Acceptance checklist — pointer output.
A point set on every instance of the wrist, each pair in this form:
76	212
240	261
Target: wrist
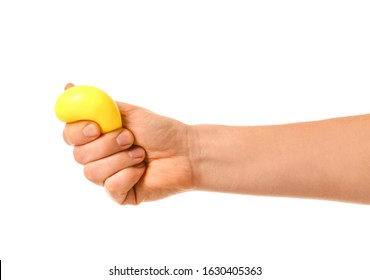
213	157
193	147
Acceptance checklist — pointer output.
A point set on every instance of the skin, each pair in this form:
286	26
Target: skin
153	157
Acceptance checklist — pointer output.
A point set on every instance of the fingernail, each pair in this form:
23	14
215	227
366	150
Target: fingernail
124	138
136	152
90	130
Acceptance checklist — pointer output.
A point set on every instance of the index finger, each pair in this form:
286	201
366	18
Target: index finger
81	132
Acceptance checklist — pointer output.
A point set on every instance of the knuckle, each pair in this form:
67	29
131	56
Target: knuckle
79	155
66	137
91	174
114	189
111	187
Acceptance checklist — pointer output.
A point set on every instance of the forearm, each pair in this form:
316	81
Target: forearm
327	159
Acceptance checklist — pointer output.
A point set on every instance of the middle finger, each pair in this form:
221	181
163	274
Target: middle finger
106	145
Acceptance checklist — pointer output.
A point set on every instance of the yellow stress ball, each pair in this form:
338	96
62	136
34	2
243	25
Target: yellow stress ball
88	103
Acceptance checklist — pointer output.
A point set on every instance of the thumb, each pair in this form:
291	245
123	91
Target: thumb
69	85
133	116
126	108
130	112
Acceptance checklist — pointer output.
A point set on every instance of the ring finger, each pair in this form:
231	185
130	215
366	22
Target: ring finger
98	171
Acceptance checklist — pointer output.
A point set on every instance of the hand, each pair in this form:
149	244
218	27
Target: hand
146	160
153	157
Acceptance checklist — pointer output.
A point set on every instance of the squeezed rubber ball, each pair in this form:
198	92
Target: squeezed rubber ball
88	103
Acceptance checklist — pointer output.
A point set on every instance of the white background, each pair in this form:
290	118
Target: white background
226	62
